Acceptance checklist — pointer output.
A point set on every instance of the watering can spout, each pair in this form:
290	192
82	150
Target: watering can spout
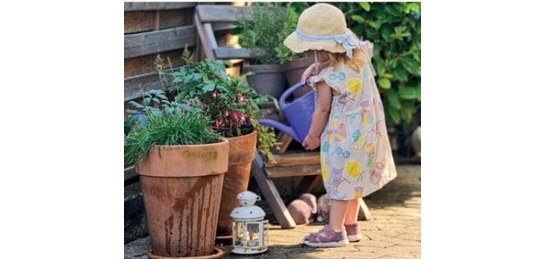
282	127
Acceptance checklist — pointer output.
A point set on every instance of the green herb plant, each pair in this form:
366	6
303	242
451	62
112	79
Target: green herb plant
165	123
264	31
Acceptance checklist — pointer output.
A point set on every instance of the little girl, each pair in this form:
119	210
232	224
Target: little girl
348	122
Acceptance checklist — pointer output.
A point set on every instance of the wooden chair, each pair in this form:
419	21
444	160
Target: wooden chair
305	164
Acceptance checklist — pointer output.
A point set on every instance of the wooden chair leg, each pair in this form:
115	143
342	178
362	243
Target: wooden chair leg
270	192
364	213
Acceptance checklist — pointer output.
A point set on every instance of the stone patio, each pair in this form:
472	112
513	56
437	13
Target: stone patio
393	232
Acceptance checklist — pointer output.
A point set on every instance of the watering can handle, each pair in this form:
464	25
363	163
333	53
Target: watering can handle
287	93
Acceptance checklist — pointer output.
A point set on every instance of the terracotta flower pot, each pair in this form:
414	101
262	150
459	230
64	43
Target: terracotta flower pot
267	79
182	187
241	154
294	70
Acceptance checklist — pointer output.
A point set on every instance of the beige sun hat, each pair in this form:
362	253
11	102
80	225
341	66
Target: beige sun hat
322	27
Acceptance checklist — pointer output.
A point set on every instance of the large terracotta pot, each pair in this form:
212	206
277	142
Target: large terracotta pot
267	79
294	70
182	187
241	154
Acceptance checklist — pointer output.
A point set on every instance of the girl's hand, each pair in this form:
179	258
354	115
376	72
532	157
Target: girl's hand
310	71
311	142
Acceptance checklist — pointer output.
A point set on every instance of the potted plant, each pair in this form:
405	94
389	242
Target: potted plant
181	163
263	31
231	106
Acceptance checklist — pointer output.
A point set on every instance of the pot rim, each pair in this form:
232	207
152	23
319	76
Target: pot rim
223	140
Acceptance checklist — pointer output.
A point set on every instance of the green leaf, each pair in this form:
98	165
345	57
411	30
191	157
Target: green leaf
357	18
400	74
415	7
407	113
379	65
365	6
374	24
208	87
393	114
388	76
408	93
411	65
393	99
384	83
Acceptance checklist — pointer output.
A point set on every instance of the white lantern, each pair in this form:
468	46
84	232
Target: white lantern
248	225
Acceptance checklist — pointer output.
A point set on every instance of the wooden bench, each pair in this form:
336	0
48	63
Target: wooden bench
305	164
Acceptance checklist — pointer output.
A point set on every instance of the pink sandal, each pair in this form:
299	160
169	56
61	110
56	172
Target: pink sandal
353	232
327	237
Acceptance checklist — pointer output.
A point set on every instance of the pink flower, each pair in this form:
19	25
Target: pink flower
218	123
235	115
243	118
188	103
240	97
226	113
214	95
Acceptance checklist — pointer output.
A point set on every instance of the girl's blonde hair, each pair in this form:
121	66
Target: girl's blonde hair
356	62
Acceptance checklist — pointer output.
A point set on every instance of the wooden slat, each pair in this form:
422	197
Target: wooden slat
209	34
292	171
223	26
134	85
143	6
271	194
205	41
231	53
175	18
146	64
363	211
296	159
158	41
215	13
139	21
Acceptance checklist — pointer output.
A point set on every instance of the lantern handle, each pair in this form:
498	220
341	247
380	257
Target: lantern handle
258	198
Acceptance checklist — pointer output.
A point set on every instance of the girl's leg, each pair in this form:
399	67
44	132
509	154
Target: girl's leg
337	214
352	212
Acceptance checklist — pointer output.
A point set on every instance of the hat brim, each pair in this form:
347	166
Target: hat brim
298	45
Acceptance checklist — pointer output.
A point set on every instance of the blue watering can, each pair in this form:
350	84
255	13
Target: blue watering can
298	113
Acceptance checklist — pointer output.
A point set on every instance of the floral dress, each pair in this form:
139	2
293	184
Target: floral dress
355	154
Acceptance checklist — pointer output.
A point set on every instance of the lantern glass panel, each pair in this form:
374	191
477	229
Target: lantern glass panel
254	234
238	233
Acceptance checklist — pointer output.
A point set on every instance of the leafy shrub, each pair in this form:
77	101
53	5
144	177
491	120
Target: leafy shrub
264	32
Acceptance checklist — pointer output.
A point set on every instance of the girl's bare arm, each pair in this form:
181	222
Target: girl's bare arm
320	117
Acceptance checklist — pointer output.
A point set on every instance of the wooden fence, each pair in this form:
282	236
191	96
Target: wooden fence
164	29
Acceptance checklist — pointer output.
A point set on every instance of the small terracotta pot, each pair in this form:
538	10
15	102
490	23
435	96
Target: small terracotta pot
241	154
267	79
182	187
294	70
